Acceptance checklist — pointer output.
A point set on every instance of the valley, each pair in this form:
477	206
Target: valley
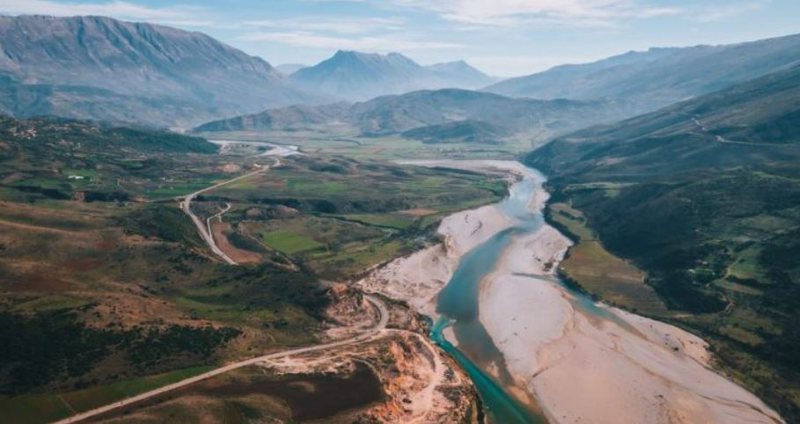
191	234
119	265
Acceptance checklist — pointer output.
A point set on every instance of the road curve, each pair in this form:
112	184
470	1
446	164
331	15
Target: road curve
367	335
216	215
205	228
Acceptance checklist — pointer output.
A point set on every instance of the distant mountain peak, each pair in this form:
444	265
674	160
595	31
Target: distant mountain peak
354	75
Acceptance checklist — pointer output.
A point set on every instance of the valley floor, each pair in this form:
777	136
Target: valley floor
581	361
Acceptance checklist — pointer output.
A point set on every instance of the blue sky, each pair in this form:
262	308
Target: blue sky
501	37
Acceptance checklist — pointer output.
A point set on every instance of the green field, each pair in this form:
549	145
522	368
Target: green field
290	242
596	270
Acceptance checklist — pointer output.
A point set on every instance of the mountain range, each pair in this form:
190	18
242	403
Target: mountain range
355	76
753	122
104	69
649	80
489	115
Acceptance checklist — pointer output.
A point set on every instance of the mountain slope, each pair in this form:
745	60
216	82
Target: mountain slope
62	66
286	118
289	68
461	74
467	131
393	114
400	113
704	196
741	125
660	76
357	76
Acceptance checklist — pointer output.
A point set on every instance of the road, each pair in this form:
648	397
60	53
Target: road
216	215
723	140
205	228
366	336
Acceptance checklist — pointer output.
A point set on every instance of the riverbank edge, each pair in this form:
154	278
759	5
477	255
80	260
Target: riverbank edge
700	352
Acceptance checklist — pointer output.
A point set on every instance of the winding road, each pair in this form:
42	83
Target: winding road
378	331
368	335
205	228
205	232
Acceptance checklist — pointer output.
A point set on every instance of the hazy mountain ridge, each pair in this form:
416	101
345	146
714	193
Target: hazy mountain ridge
717	128
467	131
199	76
399	113
660	76
289	68
355	76
462	73
295	117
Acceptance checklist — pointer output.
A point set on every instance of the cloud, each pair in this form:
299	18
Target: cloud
174	15
331	25
728	11
520	12
363	43
516	65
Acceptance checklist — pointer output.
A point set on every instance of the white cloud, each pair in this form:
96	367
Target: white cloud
117	9
519	12
333	25
363	43
517	65
728	11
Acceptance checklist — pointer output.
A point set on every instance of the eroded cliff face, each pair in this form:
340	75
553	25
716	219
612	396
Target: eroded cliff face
420	383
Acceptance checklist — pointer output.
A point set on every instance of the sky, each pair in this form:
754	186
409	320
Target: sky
500	37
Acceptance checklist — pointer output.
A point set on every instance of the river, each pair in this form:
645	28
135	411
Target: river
458	306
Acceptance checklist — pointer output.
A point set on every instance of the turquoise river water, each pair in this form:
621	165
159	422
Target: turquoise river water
458	306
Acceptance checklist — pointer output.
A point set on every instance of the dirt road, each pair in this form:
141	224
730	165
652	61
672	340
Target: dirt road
370	334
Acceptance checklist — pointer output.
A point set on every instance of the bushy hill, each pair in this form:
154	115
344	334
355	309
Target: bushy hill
705	196
751	123
467	131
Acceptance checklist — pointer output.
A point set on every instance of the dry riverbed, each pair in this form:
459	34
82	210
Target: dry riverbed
582	362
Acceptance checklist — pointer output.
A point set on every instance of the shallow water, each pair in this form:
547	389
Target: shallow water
458	306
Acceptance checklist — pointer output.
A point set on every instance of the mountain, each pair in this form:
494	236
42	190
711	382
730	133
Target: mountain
105	69
295	117
467	131
461	74
355	76
753	122
660	76
395	114
497	116
290	68
703	195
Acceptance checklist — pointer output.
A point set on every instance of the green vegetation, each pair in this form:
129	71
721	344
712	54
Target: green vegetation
338	216
101	287
107	282
594	269
290	242
714	221
44	408
56	346
165	222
